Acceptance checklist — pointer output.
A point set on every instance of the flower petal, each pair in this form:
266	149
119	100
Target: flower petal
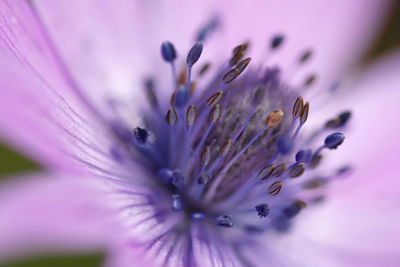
109	40
41	214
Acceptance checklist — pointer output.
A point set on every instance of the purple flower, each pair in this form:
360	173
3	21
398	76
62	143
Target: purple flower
197	134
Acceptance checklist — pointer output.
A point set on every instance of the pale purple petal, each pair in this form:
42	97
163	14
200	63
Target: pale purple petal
54	213
113	46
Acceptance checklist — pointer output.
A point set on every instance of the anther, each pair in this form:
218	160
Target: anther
339	121
277	41
176	202
315	161
215	113
181	96
296	171
191	115
150	93
266	172
237	53
214	99
168	51
263	210
274	118
285	145
312	184
194	54
207	29
294	209
204	68
204	178
165	175
275	188
235	72
140	135
258	95
178	179
206	156
279	170
182	77
305	56
224	220
310	80
225	148
297	107
303	156
304	113
334	140
171	117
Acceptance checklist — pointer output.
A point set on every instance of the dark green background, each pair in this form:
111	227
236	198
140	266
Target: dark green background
13	163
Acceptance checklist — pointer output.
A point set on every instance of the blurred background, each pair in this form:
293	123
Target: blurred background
12	163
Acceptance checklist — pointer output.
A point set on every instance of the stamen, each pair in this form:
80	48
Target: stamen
176	203
294	209
266	172
305	56
275	188
304	113
191	115
279	170
274	118
204	69
296	171
215	98
215	113
168	51
334	140
277	41
150	93
303	156
263	210
181	96
194	54
235	72
225	149
237	53
297	107
171	117
206	156
225	221
140	135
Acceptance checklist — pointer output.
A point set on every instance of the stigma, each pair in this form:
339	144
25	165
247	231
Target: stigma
227	144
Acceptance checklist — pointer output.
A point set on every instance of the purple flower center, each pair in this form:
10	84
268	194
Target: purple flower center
230	152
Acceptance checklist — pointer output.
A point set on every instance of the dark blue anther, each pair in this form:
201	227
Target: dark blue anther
285	145
276	41
165	175
344	118
194	54
181	96
176	203
207	29
303	156
168	51
263	210
291	211
334	140
178	178
140	135
225	221
344	170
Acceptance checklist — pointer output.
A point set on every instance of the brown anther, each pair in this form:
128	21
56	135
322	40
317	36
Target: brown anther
192	87
237	53
225	148
305	56
171	117
296	171
206	156
274	118
279	170
182	77
333	123
304	113
315	161
204	69
310	80
215	98
235	72
275	188
191	115
172	100
300	204
297	107
312	184
266	172
215	113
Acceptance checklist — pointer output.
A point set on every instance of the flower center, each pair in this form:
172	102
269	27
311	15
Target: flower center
229	151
